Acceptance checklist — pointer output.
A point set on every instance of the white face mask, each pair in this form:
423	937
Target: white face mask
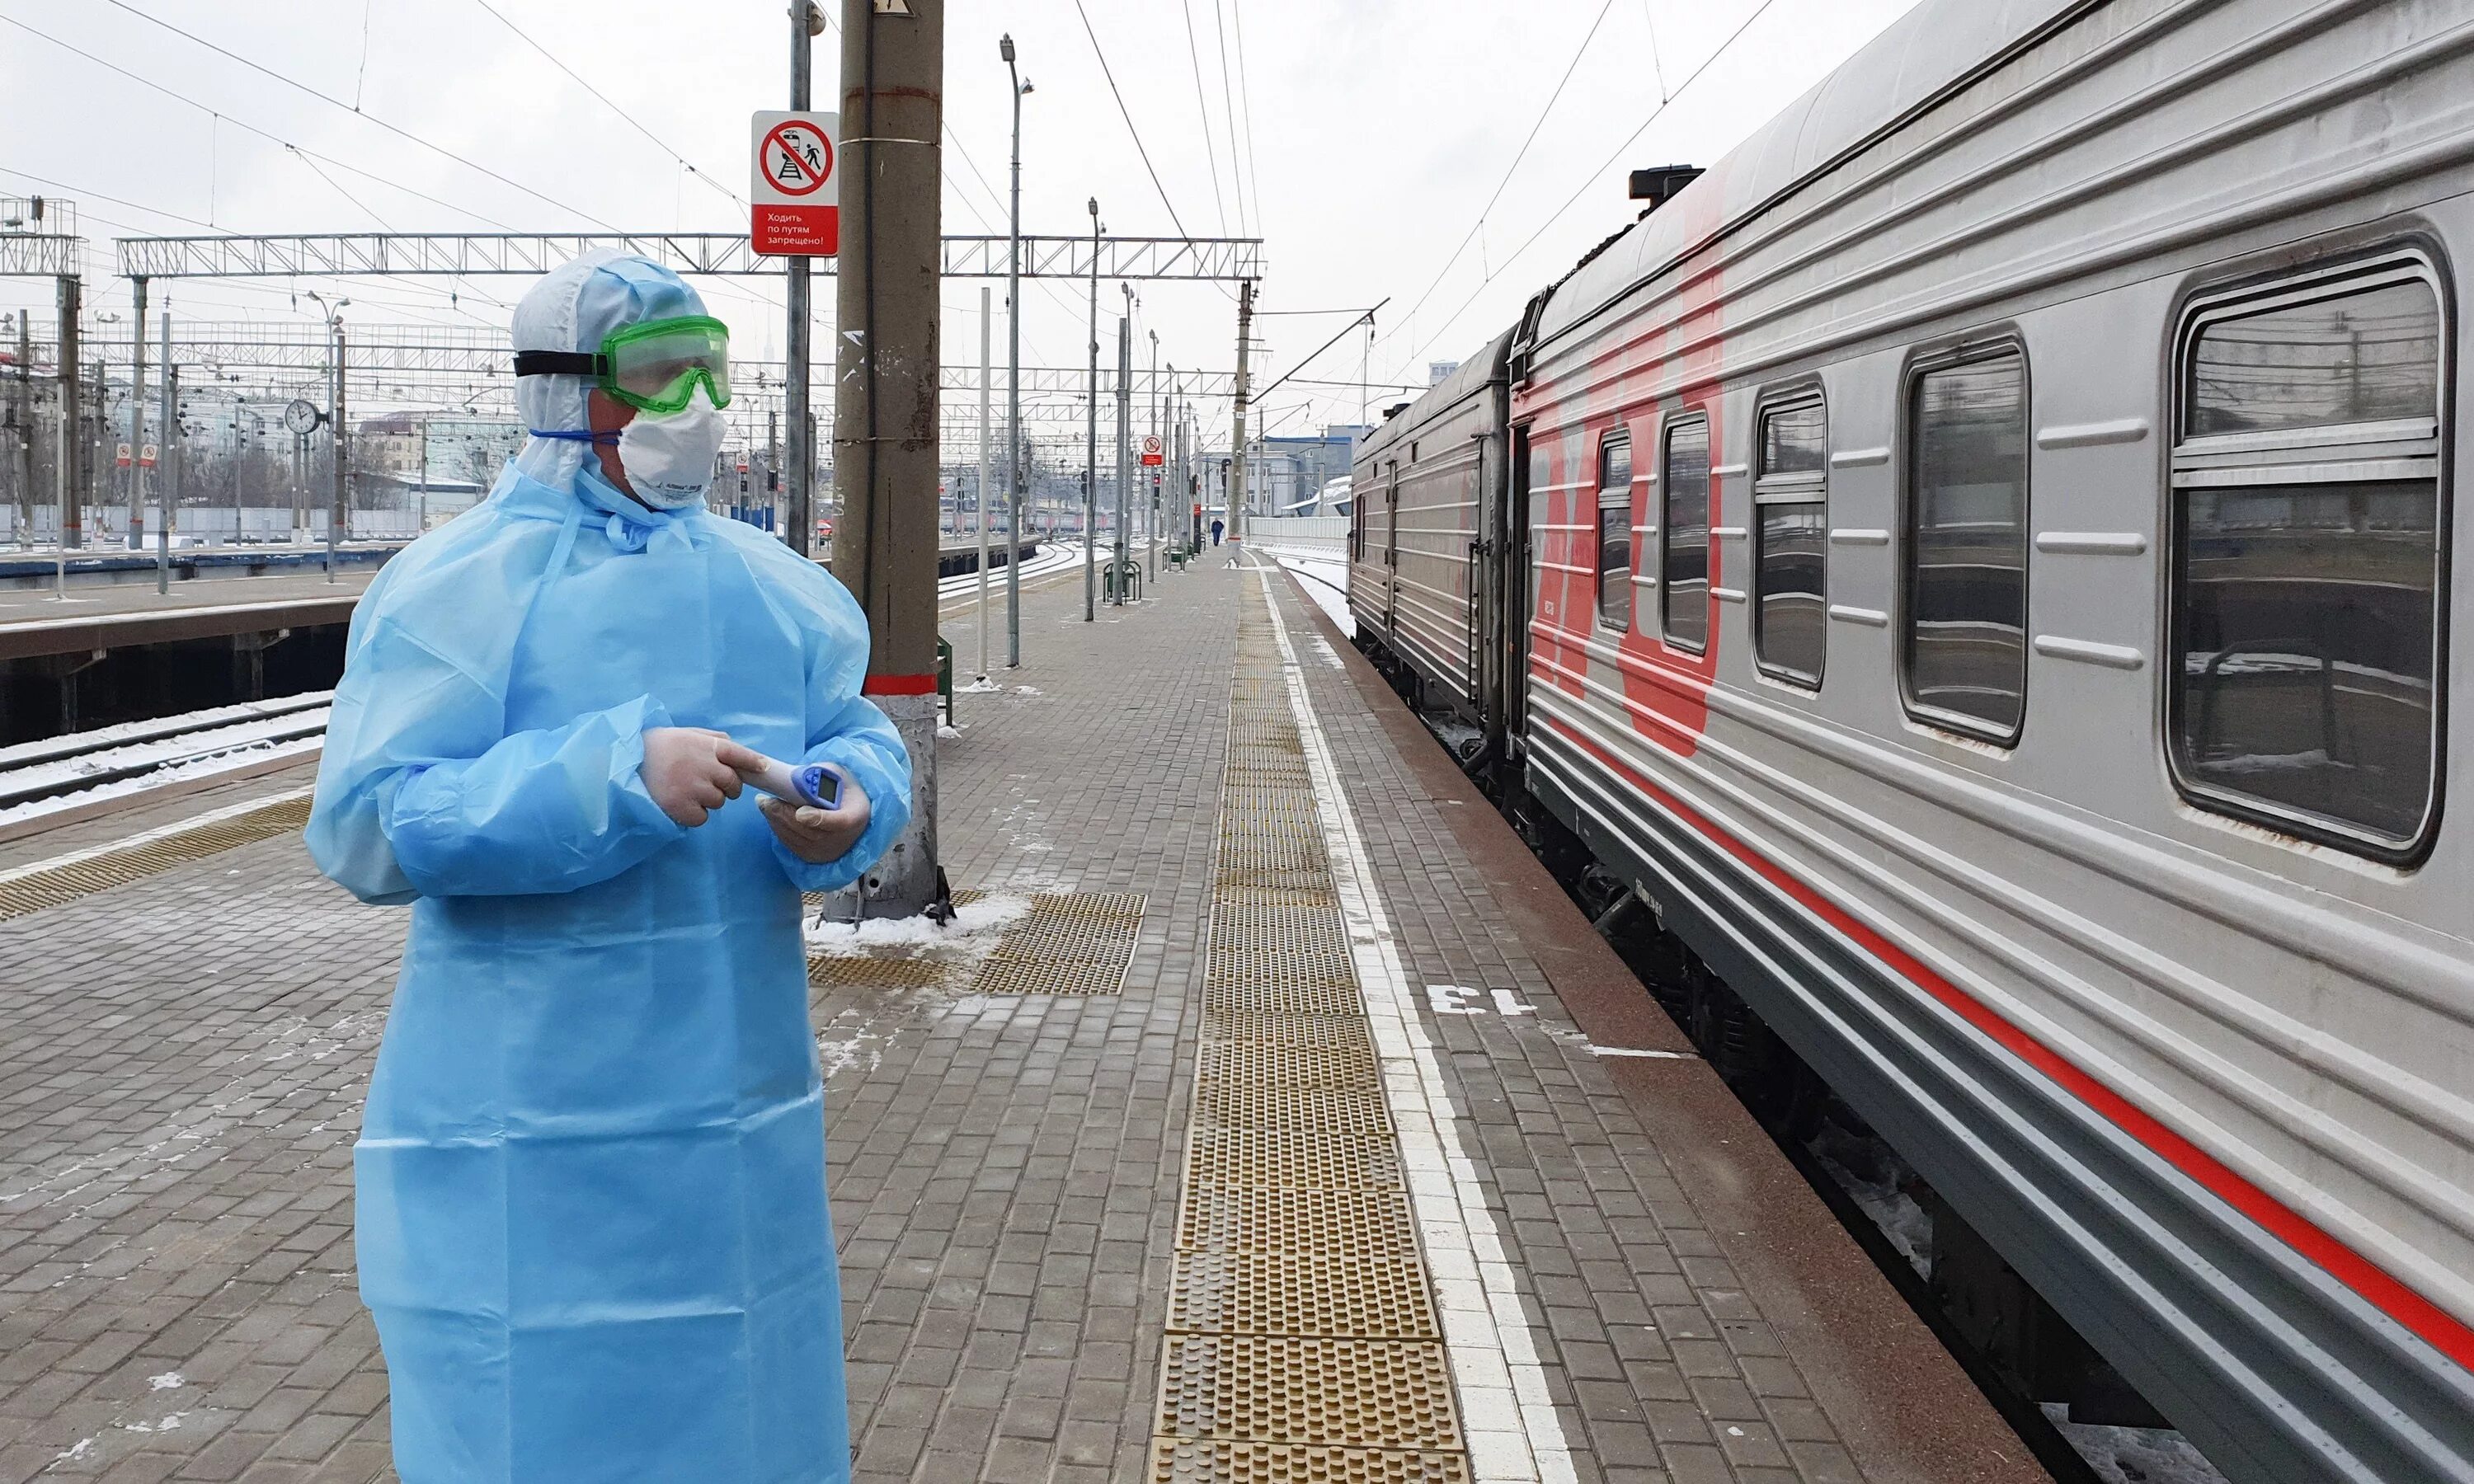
668	456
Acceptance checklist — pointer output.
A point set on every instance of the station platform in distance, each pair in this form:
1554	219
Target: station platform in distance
1267	1114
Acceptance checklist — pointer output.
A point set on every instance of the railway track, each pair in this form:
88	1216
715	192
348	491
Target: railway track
58	779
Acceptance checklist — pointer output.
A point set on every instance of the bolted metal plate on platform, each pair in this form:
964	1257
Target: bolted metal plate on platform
1282	1293
1362	1223
1263	1105
1362	1393
1345	1029
1071	944
1178	1462
1293	1161
52	884
1291	999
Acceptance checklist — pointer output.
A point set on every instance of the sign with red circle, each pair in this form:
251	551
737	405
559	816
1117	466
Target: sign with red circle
795	183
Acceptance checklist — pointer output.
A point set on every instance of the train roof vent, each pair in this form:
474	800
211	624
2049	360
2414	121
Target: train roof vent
1659	183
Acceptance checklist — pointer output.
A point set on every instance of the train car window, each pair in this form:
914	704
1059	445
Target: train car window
1684	568
1614	532
1791	541
2307	563
1964	636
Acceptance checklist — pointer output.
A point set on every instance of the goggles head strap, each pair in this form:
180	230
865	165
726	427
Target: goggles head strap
561	363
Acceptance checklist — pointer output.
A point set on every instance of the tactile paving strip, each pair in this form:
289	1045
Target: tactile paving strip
1227	1219
1072	944
1279	1293
53	883
1388	1393
1177	1462
1302	1335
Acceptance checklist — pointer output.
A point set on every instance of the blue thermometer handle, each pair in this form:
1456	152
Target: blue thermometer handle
819	786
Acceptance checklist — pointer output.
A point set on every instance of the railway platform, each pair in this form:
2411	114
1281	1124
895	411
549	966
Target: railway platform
1269	1114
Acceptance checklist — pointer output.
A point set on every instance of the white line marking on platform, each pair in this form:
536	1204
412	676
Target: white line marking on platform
1507	1416
149	837
1664	1056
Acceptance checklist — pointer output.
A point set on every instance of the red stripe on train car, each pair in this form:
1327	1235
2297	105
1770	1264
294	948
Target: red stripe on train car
2384	1291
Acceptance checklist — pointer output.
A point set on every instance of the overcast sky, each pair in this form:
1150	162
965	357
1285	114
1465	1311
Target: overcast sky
1363	139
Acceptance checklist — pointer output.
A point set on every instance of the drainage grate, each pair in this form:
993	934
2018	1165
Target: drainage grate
1276	1293
1274	1463
1366	1393
860	971
1303	1339
1078	944
1368	1223
56	882
1293	1161
1266	1105
1280	1060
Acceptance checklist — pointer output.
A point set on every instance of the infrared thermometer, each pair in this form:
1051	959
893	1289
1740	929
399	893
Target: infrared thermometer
812	785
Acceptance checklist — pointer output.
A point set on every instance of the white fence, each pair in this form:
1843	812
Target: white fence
1320	535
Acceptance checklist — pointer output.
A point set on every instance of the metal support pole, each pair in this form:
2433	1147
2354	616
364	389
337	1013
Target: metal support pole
1125	393
164	417
167	467
72	454
1236	492
980	495
1013	372
1091	443
1153	474
340	516
805	21
137	418
886	385
25	431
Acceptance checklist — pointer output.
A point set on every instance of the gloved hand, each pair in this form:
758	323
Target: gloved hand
693	770
819	836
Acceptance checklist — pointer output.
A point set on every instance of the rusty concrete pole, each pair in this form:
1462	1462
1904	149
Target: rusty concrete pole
1236	496
885	396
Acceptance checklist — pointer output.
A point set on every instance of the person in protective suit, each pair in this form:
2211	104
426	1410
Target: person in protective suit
591	1177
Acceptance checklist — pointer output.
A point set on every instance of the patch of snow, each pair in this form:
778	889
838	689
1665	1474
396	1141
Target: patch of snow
1877	1180
1026	690
982	687
987	917
2134	1455
949	731
84	1445
195	768
169	1380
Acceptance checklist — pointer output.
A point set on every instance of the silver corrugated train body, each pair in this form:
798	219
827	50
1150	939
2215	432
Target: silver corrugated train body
1980	561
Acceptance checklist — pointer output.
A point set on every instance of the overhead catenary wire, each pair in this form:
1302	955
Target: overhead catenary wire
1139	146
221	118
331	100
1246	110
1228	107
1203	107
1512	169
658	142
1592	181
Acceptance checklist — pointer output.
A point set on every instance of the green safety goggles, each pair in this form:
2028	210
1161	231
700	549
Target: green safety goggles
652	366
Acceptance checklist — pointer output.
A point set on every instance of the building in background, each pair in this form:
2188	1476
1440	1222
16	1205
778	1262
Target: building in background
1294	471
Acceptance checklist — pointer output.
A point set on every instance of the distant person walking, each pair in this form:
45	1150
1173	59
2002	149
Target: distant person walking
1216	529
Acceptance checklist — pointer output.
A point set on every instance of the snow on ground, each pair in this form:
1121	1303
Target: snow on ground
198	745
984	918
1053	556
1326	579
239	757
2134	1455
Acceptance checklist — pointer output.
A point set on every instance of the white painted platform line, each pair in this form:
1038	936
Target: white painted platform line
1505	1415
160	832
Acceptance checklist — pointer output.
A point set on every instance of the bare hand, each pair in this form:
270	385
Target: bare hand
819	836
692	771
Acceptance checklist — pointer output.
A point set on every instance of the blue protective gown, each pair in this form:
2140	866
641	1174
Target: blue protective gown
590	1177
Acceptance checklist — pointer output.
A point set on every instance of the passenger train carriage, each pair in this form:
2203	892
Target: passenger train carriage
1978	561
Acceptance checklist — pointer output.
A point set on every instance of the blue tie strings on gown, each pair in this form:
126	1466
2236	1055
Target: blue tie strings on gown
592	1221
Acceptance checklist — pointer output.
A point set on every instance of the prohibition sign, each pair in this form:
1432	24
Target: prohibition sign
780	138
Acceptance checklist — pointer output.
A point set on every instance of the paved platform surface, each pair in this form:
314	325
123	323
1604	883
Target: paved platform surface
113	600
185	1055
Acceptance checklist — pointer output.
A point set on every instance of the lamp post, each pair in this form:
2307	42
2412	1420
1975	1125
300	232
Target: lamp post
1091	443
1013	373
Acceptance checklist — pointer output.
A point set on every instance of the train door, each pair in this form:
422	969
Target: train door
1392	542
1516	587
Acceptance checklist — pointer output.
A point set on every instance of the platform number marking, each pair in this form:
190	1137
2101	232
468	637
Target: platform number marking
1461	999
